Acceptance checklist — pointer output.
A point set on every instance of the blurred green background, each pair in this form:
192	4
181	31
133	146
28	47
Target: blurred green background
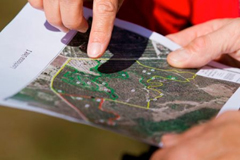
27	135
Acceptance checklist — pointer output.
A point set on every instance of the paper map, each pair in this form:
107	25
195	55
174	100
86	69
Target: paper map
131	90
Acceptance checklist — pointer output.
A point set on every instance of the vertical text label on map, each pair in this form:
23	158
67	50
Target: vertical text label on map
21	59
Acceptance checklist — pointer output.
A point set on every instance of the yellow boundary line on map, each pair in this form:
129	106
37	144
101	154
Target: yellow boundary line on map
159	84
65	63
51	86
132	105
170	70
156	84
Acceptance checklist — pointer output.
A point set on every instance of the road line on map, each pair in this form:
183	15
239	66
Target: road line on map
110	120
100	107
51	86
132	105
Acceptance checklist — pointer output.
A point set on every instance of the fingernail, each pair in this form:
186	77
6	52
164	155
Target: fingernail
179	55
94	49
161	145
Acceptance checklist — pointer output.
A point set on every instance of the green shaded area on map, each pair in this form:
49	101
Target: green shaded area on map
130	90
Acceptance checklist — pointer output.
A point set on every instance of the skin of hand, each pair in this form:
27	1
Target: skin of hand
215	140
206	42
68	15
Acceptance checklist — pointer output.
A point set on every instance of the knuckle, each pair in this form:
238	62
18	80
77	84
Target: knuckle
234	30
199	43
236	55
105	7
54	21
70	3
203	44
36	4
73	24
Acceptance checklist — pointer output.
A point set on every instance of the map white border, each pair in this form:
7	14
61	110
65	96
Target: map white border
30	21
19	26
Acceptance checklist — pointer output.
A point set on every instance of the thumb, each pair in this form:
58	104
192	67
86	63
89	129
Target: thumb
194	55
206	48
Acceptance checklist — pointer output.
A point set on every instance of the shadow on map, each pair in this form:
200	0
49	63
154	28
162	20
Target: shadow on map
124	49
49	27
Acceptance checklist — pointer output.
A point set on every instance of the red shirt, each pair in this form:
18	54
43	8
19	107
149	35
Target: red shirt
169	16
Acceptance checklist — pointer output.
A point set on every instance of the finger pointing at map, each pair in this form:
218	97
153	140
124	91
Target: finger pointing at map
104	13
68	15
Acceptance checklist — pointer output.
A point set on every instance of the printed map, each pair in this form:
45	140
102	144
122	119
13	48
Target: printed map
130	90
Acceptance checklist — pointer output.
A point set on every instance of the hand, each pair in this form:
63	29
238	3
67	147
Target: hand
206	42
215	140
68	15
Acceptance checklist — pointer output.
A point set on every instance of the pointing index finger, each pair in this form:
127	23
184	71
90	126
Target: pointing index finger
104	13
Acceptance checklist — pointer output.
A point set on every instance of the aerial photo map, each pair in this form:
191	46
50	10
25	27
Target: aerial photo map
131	90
